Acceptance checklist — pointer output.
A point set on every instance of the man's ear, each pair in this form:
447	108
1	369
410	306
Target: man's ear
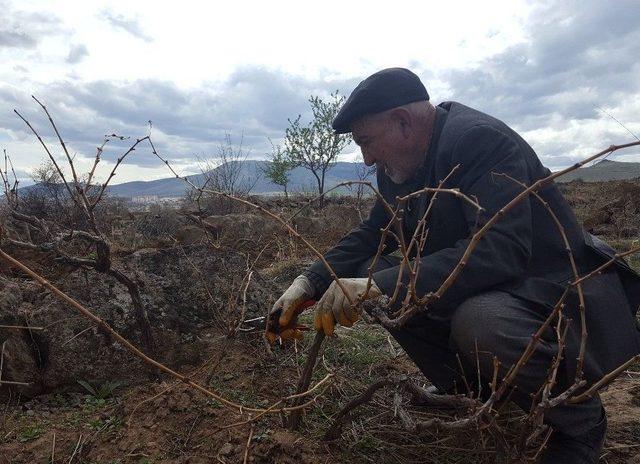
402	117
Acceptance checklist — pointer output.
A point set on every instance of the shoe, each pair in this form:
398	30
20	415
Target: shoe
433	390
423	398
583	449
434	398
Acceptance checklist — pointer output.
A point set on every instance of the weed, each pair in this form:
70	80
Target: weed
111	423
634	432
98	396
30	432
214	404
358	349
59	400
73	420
368	444
243	395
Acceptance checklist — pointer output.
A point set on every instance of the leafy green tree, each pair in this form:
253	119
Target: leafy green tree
316	146
278	168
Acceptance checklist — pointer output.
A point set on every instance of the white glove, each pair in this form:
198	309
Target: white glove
334	307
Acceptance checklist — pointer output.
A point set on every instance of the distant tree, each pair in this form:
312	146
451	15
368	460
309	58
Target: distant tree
364	173
48	198
316	146
278	167
226	172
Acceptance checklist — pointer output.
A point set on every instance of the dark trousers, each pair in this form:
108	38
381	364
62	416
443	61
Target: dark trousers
453	346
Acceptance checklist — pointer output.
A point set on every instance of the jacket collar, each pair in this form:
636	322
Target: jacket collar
420	178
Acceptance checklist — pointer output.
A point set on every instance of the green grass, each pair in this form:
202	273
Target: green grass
30	432
242	395
110	423
358	349
353	356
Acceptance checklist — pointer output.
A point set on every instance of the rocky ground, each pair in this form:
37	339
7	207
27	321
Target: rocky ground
90	401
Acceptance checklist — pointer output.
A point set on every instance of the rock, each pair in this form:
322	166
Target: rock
242	226
306	225
21	364
173	282
619	216
226	449
10	296
191	235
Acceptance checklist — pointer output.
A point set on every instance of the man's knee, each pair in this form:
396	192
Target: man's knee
476	324
498	324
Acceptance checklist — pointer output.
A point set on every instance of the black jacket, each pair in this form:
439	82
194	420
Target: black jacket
522	254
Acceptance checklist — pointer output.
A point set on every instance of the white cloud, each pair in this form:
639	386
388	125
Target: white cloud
199	69
77	53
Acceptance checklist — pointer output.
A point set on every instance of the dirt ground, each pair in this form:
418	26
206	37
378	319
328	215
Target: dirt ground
97	404
166	422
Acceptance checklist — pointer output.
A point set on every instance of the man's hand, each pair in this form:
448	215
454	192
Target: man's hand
284	314
334	306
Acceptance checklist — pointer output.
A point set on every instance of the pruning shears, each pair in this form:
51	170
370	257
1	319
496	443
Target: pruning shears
275	332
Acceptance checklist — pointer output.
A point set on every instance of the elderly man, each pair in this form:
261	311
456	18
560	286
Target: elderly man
514	277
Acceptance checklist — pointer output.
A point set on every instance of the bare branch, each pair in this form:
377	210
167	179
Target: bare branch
115	167
64	146
133	349
51	157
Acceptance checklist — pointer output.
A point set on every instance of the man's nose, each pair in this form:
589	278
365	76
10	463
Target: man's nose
368	159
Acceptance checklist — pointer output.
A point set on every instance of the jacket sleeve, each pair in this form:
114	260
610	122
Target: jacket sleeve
353	250
502	254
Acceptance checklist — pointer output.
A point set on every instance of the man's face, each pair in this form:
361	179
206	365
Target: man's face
382	143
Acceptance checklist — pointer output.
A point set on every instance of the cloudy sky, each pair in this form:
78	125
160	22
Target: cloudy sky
558	71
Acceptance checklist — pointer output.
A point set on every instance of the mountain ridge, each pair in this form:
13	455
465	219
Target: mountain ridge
602	171
303	180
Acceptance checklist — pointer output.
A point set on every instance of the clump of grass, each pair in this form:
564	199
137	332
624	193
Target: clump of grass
30	432
99	396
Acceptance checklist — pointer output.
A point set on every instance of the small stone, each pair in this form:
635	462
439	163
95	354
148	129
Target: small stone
226	449
30	412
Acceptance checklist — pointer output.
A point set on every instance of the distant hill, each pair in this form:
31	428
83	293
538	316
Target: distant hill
303	180
603	171
250	172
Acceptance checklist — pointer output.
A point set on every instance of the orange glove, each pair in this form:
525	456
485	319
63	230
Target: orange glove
334	306
282	321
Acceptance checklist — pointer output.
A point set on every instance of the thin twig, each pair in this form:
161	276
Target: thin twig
607	379
475	239
53	449
129	346
305	379
78	334
574	269
248	446
2	359
20	327
51	157
12	382
76	449
115	167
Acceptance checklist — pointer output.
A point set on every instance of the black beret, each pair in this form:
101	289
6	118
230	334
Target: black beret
379	92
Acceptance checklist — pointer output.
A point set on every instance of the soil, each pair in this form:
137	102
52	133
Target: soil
610	209
90	401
